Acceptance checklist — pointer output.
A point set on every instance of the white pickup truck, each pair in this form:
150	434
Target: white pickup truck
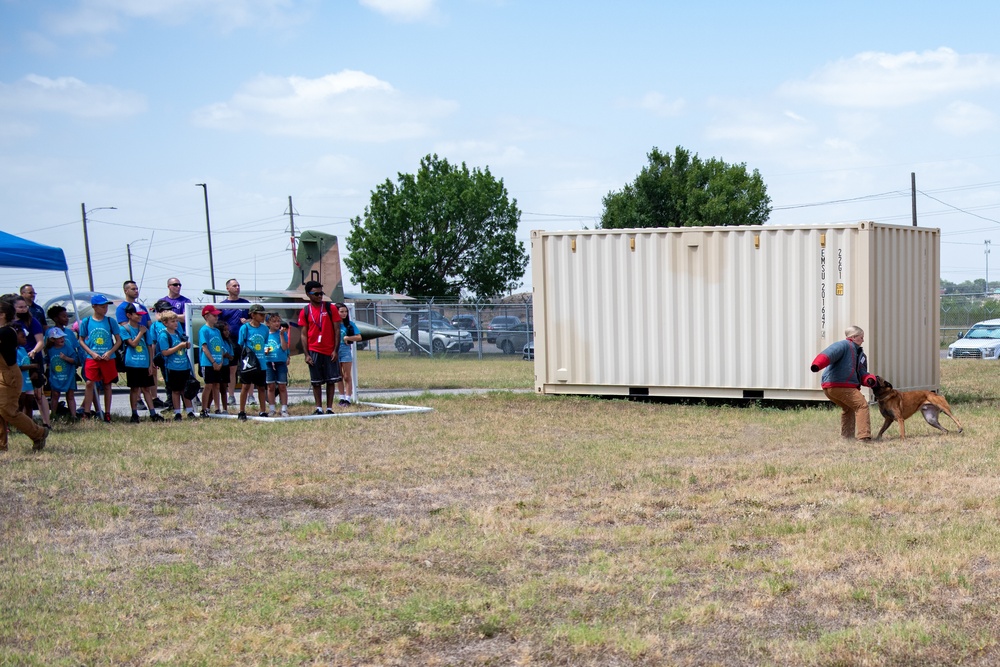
982	341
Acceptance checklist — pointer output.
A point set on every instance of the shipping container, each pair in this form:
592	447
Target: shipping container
731	312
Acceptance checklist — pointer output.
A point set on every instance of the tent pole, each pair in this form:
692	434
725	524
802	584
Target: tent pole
71	296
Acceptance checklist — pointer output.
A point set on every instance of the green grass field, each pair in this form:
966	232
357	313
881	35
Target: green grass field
508	528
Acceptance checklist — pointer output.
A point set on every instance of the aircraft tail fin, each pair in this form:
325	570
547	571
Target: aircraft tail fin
317	257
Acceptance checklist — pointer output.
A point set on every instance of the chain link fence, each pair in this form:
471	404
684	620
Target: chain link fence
960	311
438	327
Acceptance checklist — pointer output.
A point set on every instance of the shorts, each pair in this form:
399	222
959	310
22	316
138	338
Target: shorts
177	380
255	378
224	380
138	378
276	372
323	370
213	376
100	370
346	354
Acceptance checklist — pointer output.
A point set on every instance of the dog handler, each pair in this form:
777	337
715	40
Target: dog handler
846	367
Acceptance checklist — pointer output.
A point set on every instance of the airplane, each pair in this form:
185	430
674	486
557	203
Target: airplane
315	256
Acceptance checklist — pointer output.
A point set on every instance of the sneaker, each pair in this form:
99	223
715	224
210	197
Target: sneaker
263	413
107	417
156	417
318	411
159	404
177	417
204	413
242	416
192	415
39	445
219	412
284	412
134	419
251	400
344	403
272	412
330	411
232	399
142	404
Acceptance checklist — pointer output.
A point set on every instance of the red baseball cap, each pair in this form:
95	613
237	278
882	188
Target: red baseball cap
210	310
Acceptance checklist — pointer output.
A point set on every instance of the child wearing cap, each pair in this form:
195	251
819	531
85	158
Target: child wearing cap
100	337
178	367
253	339
140	373
228	363
276	360
62	370
210	360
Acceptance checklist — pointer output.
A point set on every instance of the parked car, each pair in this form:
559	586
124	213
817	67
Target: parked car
498	324
446	338
981	342
516	338
468	323
528	353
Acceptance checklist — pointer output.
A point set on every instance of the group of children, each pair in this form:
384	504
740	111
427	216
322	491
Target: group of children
102	348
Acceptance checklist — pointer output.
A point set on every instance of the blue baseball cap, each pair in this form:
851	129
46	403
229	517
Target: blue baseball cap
99	300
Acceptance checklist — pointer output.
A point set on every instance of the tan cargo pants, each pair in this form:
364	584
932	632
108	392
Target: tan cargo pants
854	418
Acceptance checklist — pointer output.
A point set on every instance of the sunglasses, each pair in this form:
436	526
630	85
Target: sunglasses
320	293
174	285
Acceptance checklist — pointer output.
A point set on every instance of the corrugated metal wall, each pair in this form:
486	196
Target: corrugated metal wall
717	311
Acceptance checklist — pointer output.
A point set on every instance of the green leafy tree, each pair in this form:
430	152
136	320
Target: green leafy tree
445	231
683	190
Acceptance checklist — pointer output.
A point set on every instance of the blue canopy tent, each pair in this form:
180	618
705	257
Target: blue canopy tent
19	253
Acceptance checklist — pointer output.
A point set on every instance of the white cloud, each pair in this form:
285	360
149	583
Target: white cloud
965	118
480	154
882	80
70	96
760	127
98	17
656	104
402	10
346	105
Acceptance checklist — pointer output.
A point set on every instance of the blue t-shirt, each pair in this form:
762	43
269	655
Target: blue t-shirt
62	373
71	348
122	318
34	328
23	360
211	337
138	356
227	348
178	361
99	334
276	354
255	338
345	347
232	316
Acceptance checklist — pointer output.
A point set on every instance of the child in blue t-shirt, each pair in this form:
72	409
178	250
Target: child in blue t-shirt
174	349
140	372
99	338
276	363
253	340
210	359
228	360
62	370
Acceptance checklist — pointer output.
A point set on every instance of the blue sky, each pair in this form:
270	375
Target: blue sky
130	103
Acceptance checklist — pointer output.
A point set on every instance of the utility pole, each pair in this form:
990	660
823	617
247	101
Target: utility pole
913	195
86	239
291	216
987	243
208	227
86	246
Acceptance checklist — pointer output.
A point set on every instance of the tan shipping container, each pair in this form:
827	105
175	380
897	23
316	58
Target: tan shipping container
731	312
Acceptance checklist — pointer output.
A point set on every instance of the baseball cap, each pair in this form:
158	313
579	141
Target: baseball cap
210	310
99	300
256	308
55	332
162	305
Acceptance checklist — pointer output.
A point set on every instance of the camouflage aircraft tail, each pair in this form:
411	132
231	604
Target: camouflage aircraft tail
317	257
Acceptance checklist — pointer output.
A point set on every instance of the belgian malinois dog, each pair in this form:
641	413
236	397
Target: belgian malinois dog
898	406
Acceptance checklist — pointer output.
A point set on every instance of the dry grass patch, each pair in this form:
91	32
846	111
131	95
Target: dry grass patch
505	529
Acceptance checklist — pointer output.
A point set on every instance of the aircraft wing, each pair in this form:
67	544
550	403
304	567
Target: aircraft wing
295	295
